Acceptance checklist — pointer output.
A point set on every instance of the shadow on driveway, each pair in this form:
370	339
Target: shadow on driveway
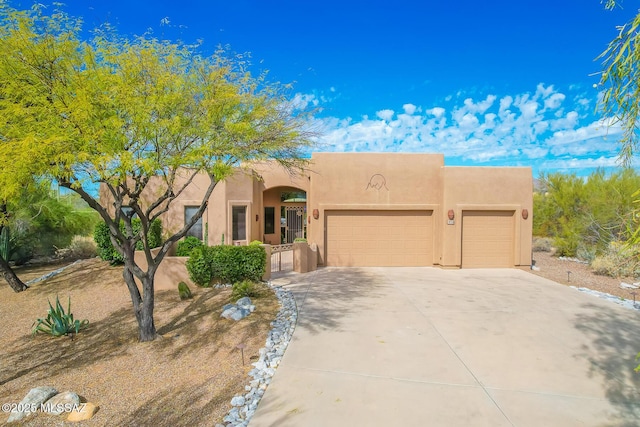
614	345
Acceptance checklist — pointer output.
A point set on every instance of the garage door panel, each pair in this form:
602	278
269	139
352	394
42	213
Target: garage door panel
379	238
488	239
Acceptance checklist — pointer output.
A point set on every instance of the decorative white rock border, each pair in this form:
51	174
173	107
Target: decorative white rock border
244	406
612	298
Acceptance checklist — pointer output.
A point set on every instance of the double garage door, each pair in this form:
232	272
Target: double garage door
379	238
406	238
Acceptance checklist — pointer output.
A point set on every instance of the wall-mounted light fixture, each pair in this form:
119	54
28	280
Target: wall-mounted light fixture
451	214
316	214
525	214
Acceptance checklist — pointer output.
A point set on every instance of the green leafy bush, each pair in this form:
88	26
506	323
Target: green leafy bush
184	291
236	263
299	239
255	243
108	252
187	245
245	288
227	264
583	215
58	322
199	266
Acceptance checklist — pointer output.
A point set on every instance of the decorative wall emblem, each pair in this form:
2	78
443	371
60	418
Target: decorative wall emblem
377	182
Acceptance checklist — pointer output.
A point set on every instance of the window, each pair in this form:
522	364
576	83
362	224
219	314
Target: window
239	222
269	220
196	230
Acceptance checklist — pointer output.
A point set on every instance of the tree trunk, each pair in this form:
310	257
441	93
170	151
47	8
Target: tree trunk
16	284
143	304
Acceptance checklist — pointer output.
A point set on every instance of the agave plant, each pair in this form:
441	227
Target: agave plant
58	323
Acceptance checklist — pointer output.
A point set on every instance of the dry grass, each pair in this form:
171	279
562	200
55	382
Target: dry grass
187	377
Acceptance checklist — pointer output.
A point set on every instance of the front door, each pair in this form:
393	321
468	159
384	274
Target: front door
294	223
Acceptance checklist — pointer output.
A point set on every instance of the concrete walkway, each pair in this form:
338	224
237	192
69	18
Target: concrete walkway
431	347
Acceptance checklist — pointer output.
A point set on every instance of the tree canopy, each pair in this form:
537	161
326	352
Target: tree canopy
620	80
122	112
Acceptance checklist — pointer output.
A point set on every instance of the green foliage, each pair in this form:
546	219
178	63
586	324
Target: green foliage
227	264
585	215
184	291
142	117
299	239
187	245
108	252
620	79
58	322
245	288
41	222
255	243
199	266
232	264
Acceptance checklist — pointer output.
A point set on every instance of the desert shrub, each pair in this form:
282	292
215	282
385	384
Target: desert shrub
81	247
58	322
619	260
541	244
566	246
584	214
184	291
199	266
187	245
245	288
255	243
108	252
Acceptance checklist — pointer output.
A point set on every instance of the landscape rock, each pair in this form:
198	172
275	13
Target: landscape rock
624	285
239	310
237	401
86	412
62	402
270	355
31	402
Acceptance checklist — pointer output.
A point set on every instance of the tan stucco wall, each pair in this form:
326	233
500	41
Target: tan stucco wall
373	181
487	188
366	181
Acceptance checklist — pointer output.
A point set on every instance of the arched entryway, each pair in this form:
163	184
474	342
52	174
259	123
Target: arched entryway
285	215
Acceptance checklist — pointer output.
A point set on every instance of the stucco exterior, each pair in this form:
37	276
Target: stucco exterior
395	194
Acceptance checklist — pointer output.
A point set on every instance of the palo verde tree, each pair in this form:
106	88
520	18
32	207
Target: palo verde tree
620	80
141	117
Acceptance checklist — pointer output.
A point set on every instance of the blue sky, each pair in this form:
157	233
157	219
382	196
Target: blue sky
508	83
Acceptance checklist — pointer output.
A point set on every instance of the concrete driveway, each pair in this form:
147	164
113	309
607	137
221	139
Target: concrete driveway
431	347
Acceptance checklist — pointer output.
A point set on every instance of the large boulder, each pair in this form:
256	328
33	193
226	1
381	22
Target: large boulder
32	402
61	403
85	412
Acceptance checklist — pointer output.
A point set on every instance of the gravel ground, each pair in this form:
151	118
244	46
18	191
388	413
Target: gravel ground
187	377
581	276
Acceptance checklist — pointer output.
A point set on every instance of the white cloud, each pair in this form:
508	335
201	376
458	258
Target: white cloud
385	114
409	108
543	129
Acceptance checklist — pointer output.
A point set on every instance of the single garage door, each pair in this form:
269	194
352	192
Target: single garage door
487	238
379	238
